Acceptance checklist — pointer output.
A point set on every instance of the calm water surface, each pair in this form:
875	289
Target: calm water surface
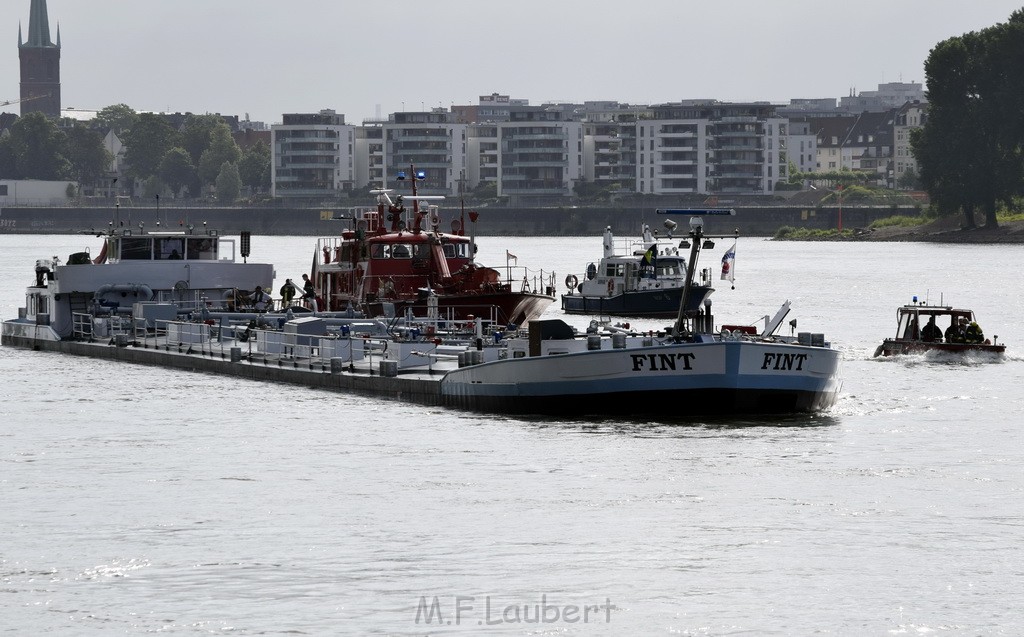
143	500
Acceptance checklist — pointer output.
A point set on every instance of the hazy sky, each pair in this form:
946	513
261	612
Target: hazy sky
364	58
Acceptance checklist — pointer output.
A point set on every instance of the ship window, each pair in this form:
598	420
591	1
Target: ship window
203	248
421	251
170	248
136	248
449	250
380	251
615	269
669	269
401	251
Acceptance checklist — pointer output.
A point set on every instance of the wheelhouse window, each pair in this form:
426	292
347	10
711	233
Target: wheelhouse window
201	248
136	248
456	250
421	251
170	248
615	269
670	268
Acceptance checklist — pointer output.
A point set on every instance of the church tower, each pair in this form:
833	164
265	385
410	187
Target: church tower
40	65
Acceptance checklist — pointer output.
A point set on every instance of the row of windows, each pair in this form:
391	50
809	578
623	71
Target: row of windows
416	250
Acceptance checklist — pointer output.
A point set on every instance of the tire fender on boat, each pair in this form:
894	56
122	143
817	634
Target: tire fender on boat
611	287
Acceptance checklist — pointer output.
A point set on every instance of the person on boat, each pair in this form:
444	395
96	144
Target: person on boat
287	292
309	292
174	255
973	334
931	332
912	333
260	300
956	332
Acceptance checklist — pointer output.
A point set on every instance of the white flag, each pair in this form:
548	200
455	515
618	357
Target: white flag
510	257
729	264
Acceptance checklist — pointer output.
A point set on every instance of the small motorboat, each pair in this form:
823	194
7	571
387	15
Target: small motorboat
921	328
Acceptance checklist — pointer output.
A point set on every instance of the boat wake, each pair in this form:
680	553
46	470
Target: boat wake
967	359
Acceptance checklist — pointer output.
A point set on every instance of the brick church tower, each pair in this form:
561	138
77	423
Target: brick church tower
40	65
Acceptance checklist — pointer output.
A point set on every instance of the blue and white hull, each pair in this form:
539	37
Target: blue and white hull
712	377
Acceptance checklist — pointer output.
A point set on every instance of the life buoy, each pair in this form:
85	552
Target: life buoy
611	287
571	281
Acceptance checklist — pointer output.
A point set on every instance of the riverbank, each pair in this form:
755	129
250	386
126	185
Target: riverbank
946	230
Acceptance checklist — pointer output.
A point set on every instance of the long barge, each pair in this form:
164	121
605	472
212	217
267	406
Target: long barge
172	299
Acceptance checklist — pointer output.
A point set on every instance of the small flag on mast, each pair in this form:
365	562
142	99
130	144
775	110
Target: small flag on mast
511	257
729	264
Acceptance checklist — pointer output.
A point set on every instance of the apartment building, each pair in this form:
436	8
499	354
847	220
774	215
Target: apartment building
888	96
313	155
369	154
711	147
609	143
910	116
802	146
831	134
535	155
871	144
430	141
862	142
540	155
482	155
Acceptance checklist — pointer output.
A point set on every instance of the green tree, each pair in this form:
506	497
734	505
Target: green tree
908	180
8	162
229	184
970	149
146	144
88	158
118	117
152	187
197	133
38	148
177	170
254	167
222	149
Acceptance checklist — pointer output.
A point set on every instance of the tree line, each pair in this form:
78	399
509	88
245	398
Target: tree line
199	156
971	148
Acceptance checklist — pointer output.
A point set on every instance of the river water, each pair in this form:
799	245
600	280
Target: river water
141	500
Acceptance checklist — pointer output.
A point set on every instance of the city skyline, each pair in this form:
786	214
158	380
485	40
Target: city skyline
236	57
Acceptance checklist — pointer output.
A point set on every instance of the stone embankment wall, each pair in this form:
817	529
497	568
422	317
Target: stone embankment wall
562	221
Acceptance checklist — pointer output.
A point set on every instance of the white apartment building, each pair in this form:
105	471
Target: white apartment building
369	154
482	154
537	154
313	155
540	155
609	143
710	147
909	117
429	142
802	147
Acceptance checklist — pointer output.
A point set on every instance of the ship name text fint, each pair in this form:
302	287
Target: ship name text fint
784	362
662	362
